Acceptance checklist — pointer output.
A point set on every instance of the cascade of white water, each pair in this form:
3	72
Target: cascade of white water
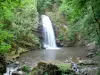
49	37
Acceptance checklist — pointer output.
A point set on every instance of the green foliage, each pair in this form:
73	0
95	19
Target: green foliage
83	18
26	69
17	17
98	72
43	5
25	24
4	36
64	67
6	16
7	8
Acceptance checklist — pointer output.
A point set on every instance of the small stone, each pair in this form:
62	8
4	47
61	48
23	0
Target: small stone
67	61
23	60
19	69
17	63
26	62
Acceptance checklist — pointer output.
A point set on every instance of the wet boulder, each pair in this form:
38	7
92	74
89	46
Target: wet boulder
44	68
91	47
91	55
19	73
87	62
51	69
89	70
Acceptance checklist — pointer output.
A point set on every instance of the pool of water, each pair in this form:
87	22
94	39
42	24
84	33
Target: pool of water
33	57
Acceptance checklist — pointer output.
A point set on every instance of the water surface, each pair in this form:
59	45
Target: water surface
33	57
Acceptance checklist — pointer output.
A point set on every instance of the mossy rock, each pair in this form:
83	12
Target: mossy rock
43	68
50	69
64	66
13	55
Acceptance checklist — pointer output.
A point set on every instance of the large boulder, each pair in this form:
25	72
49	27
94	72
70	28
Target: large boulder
87	62
44	68
19	73
82	43
89	70
91	46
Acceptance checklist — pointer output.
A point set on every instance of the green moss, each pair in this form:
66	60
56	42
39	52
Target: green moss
51	69
64	66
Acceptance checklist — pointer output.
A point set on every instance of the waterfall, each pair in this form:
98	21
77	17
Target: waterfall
48	33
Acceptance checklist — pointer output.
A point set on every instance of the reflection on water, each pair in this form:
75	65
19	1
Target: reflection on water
49	55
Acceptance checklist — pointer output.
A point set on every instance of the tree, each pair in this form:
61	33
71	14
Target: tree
4	37
83	18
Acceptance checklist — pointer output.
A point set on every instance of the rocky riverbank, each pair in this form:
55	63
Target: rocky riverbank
73	66
74	58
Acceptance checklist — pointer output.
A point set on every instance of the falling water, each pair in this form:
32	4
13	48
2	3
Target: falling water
11	68
49	37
